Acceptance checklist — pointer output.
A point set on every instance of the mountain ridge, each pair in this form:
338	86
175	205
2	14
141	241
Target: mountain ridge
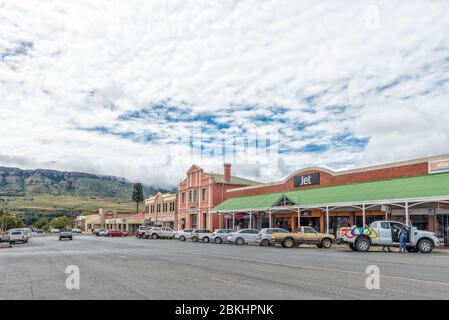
15	182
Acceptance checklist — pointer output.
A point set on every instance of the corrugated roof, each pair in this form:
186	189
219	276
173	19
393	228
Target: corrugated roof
219	178
404	188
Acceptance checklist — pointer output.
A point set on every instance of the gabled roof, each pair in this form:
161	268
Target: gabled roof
426	186
219	178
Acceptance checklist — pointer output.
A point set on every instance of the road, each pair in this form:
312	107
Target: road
128	268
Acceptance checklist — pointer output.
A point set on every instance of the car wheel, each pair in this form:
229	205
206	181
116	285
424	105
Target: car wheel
71	238
154	236
182	238
362	245
265	243
326	243
218	240
288	243
195	239
239	241
206	240
425	246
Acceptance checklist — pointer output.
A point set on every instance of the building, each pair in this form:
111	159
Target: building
200	191
415	191
114	220
160	209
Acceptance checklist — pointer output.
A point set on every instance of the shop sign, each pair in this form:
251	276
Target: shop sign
306	180
438	166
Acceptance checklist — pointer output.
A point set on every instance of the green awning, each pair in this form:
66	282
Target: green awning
426	186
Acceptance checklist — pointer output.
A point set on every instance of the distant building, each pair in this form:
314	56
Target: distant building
160	209
112	219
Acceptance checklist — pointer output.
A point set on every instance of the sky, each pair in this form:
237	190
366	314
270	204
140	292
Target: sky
144	89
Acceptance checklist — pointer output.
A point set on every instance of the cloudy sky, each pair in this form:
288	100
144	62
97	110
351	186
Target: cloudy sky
125	88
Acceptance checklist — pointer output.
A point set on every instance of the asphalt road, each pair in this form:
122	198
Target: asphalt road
128	268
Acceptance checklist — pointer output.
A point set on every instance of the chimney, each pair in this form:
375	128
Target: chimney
227	172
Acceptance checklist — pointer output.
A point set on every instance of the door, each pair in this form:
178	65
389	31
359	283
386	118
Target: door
396	227
385	233
309	235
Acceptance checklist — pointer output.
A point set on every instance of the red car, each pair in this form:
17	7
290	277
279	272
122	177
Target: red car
115	233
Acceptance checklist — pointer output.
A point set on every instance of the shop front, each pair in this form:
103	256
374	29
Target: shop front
422	201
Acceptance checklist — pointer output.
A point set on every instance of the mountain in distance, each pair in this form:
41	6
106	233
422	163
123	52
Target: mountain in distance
15	182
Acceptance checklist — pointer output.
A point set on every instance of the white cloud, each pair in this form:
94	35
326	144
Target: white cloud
321	70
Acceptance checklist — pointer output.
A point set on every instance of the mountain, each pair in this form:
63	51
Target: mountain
15	182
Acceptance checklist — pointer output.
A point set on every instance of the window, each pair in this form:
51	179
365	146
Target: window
165	207
195	195
152	208
203	194
384	225
190	196
158	207
309	230
183	197
147	209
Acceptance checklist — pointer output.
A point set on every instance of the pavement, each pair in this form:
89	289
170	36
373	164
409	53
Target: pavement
129	268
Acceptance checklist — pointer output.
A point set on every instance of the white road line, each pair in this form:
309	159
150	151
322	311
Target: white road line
339	271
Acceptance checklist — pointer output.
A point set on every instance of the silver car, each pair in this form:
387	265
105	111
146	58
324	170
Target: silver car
243	236
201	235
264	236
184	234
220	235
13	236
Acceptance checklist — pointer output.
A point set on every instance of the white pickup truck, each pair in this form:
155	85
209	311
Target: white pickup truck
386	233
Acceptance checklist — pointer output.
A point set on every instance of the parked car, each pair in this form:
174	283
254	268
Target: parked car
55	230
14	236
65	234
28	232
201	235
115	233
264	236
102	233
38	231
220	235
141	231
184	234
161	232
303	235
77	230
243	236
386	233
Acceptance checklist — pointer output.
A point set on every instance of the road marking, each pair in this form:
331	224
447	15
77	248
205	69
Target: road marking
338	271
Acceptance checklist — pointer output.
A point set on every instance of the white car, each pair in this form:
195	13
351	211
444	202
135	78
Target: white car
184	234
386	233
243	236
201	235
13	236
77	230
160	232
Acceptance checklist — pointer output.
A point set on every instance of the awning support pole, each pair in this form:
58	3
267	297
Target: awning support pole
250	220
364	215
327	219
269	217
233	220
299	218
407	216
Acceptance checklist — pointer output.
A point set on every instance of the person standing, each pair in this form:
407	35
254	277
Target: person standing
403	236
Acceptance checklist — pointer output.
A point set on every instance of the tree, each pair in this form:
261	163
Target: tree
39	224
137	194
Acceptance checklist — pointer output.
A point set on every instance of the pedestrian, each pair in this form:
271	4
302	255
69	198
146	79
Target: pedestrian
403	236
